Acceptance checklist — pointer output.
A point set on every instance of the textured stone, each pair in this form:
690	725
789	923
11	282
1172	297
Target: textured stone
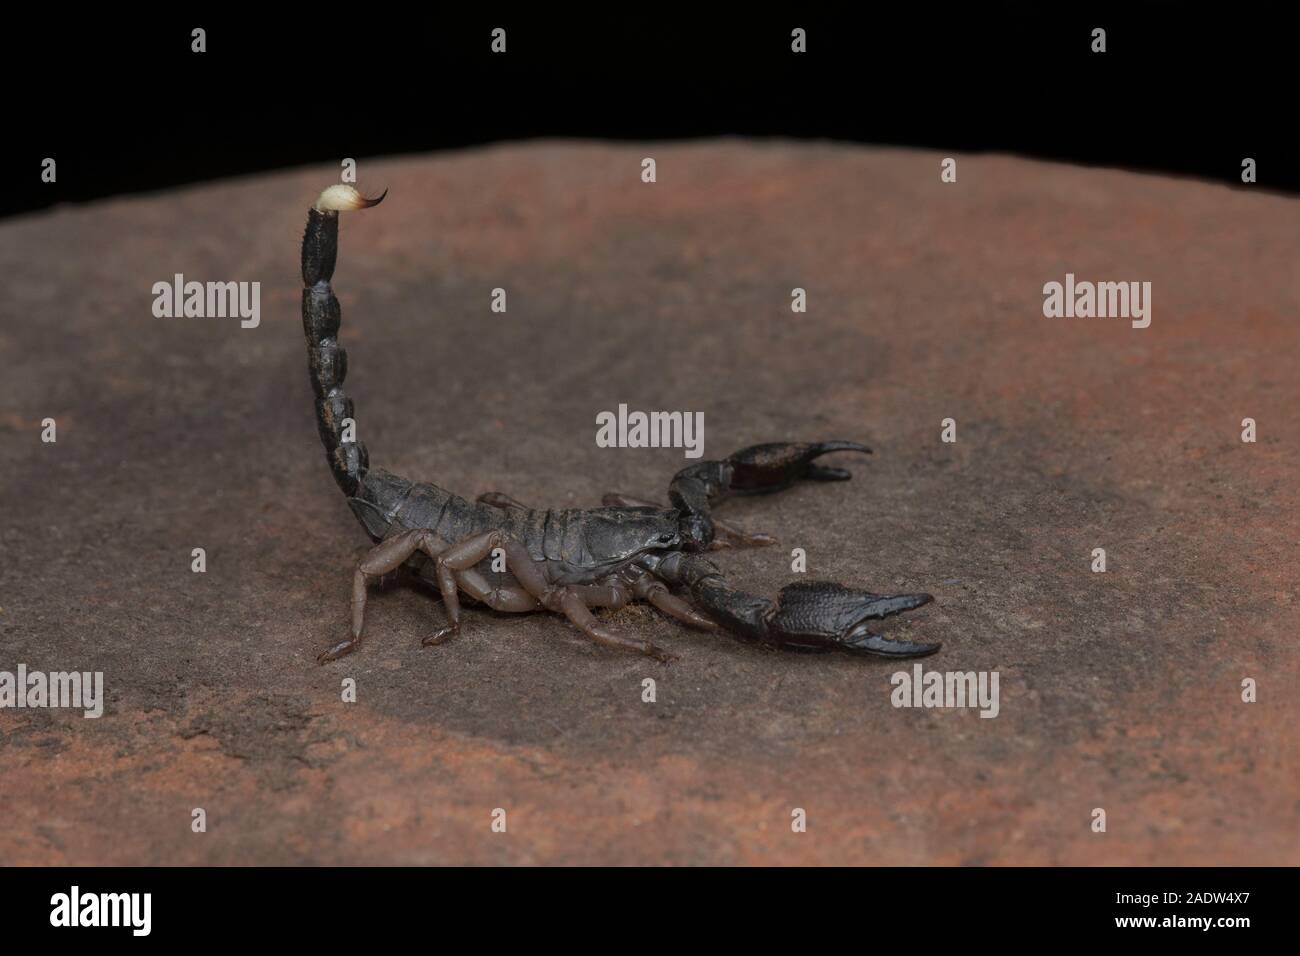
1118	690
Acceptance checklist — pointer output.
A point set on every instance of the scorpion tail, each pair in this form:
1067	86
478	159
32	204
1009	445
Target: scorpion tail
321	315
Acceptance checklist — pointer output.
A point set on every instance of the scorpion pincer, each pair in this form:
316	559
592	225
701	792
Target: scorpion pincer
571	561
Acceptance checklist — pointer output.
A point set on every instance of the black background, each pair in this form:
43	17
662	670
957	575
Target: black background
916	910
122	104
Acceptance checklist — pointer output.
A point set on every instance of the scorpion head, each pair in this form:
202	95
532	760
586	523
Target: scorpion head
620	534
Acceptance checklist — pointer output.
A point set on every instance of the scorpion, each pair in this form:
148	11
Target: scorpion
570	561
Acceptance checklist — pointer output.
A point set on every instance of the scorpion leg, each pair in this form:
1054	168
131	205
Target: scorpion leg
459	558
499	499
728	535
569	601
612	595
649	588
508	598
576	600
385	557
616	594
566	600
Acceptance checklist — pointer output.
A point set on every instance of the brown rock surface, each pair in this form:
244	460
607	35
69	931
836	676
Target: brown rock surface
1118	690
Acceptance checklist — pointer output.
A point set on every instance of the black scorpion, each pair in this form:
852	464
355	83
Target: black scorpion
570	561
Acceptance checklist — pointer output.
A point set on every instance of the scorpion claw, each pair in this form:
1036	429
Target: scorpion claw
862	641
826	473
895	604
778	465
819	612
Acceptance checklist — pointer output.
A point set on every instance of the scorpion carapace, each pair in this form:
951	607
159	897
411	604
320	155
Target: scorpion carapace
570	561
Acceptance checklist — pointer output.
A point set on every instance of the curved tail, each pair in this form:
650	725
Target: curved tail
321	316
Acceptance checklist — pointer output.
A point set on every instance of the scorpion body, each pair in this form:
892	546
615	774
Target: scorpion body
572	560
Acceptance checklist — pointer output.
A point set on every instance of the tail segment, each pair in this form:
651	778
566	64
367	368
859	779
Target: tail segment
321	316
